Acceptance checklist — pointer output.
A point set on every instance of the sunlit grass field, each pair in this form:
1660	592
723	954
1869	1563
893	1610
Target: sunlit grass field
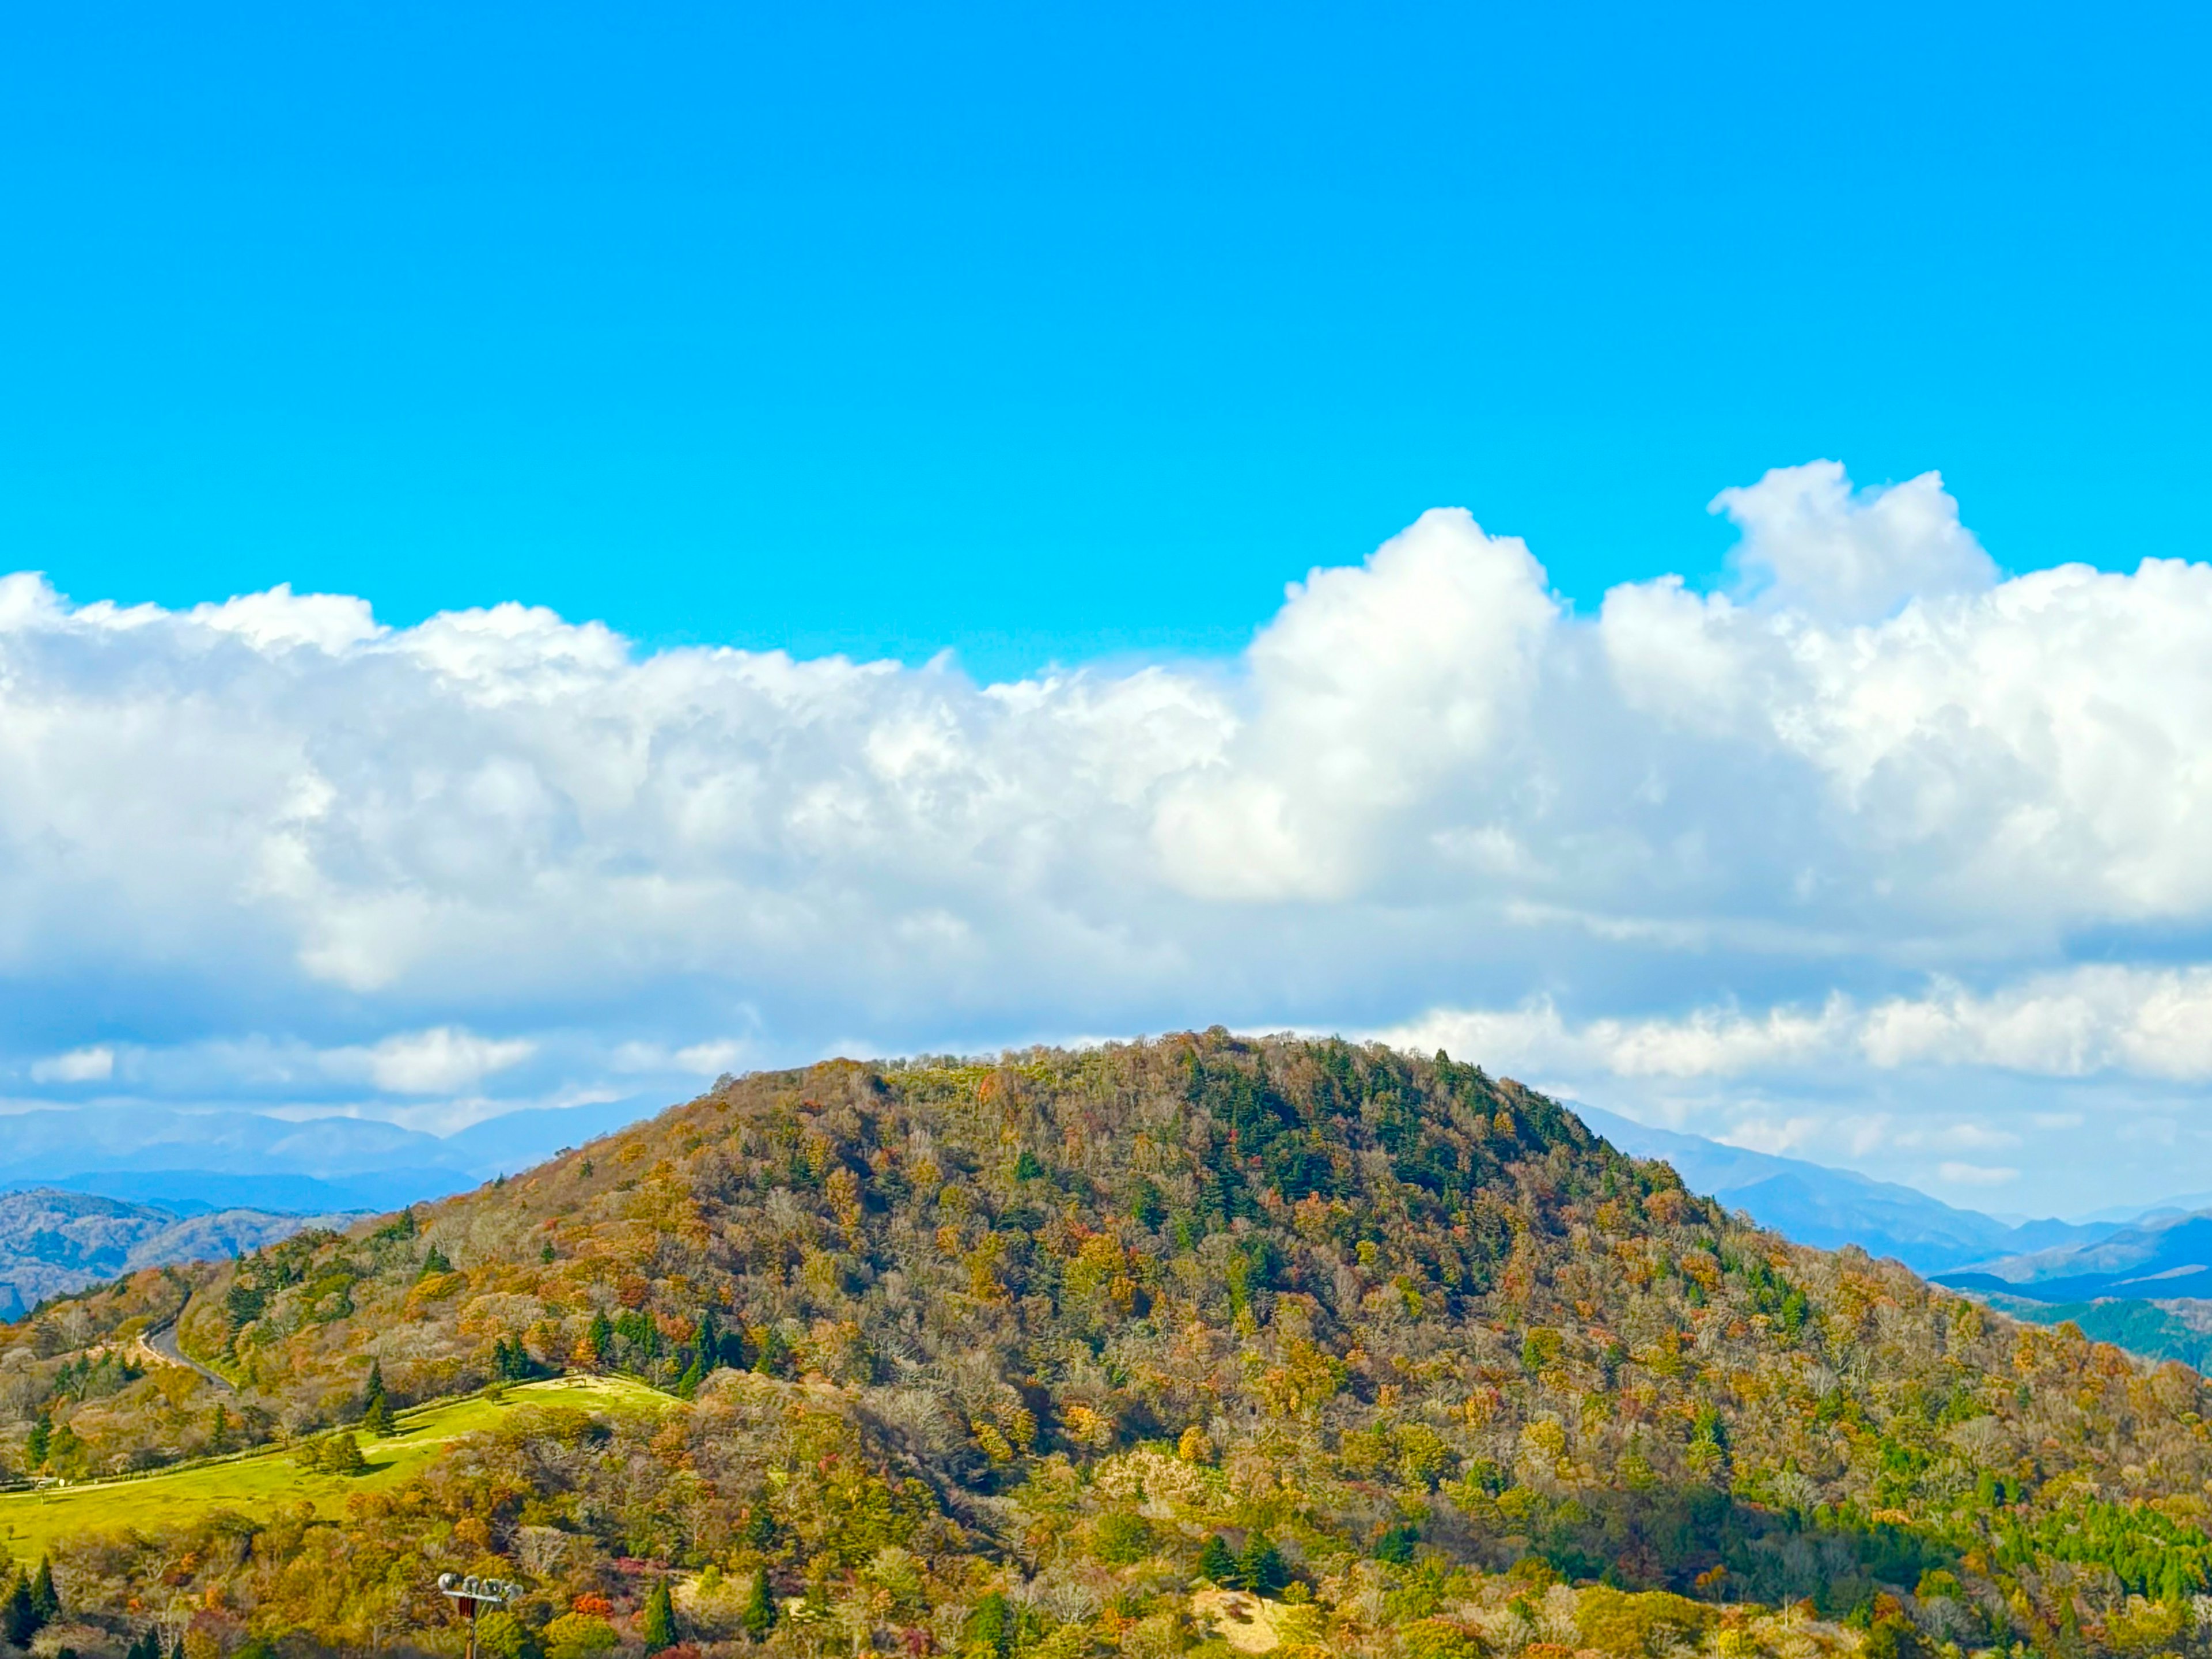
268	1481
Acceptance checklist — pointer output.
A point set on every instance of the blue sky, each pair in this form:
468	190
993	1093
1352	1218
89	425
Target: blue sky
1803	735
1042	333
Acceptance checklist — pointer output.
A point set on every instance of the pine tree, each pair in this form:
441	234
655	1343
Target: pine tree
1215	1563
660	1630
44	1596
340	1455
1260	1568
759	1615
602	1333
990	1629
434	1261
42	1436
375	1404
19	1615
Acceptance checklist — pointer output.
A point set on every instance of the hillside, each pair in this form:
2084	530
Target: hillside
997	1357
53	1243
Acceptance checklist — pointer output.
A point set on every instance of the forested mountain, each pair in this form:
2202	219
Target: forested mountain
53	1243
1005	1358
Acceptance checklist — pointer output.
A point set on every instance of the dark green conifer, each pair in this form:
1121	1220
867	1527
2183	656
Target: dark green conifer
376	1406
759	1614
19	1614
659	1630
989	1633
1216	1562
44	1596
340	1455
1259	1566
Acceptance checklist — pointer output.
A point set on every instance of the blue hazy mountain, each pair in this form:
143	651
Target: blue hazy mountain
2146	1287
193	1162
53	1243
2164	1259
1829	1208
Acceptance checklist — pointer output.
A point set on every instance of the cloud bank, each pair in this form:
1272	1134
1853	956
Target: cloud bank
1875	824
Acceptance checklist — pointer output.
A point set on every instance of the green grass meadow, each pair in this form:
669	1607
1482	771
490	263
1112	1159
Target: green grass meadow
270	1480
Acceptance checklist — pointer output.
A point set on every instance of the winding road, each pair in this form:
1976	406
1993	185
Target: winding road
159	1346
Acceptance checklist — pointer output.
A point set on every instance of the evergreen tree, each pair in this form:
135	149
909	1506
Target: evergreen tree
44	1596
42	1436
1260	1567
434	1262
659	1630
773	1355
376	1406
602	1334
759	1615
19	1614
176	1647
990	1630
340	1455
1215	1563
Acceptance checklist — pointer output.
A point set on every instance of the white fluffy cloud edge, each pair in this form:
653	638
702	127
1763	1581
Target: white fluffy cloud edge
1878	856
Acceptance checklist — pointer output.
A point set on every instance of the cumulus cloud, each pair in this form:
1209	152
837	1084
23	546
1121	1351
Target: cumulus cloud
1856	816
95	1065
2152	1023
1813	545
439	1063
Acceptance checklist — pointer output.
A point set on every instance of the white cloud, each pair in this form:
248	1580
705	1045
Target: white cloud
1813	545
1841	827
442	1061
95	1065
2148	1022
1976	1175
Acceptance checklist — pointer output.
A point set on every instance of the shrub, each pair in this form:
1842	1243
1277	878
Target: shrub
579	1636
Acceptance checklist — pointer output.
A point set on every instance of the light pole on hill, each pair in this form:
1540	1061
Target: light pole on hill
471	1592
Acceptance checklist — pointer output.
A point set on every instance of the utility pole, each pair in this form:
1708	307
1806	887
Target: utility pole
472	1592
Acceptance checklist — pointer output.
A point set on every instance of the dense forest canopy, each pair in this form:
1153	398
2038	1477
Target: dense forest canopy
1200	1344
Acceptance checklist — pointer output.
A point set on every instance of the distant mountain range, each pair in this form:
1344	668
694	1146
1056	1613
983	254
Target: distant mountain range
1812	1204
2147	1287
53	1243
191	1163
2140	1279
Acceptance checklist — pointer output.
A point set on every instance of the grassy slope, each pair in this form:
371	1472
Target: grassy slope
30	1521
